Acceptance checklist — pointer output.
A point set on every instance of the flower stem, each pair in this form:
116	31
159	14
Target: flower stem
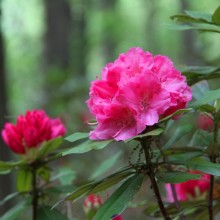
151	174
34	192
176	202
213	160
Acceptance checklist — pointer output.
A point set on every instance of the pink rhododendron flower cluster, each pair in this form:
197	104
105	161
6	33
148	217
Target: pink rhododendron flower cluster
134	92
31	130
189	189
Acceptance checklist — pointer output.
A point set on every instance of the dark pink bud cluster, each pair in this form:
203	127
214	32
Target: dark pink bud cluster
31	130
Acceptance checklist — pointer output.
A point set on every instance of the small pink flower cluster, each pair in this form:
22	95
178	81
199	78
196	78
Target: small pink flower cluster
189	189
92	202
134	92
31	130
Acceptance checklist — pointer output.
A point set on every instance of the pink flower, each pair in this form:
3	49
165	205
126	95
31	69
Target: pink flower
205	122
92	203
31	130
189	189
134	92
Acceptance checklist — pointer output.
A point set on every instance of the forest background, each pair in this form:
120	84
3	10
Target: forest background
50	50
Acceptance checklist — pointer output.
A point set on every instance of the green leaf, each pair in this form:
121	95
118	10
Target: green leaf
6	167
9	197
195	26
49	146
200	165
100	185
176	176
46	213
24	180
109	182
216	16
17	210
65	175
82	190
179	133
201	138
203	17
77	136
208	97
177	113
154	132
44	173
106	165
196	74
198	69
181	150
119	200
86	147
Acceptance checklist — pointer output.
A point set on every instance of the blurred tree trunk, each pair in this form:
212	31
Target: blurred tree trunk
5	180
189	54
109	41
79	49
58	25
56	59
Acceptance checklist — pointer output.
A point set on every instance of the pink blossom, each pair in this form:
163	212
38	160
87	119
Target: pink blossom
189	189
92	203
119	122
31	130
136	90
205	122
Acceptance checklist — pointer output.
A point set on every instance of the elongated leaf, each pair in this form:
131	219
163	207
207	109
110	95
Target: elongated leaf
49	146
200	165
201	138
178	112
6	167
45	213
216	16
203	17
179	133
196	74
24	180
110	181
106	165
176	176
154	132
181	150
199	69
119	200
195	26
79	192
100	185
210	96
77	136
17	210
87	146
9	197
